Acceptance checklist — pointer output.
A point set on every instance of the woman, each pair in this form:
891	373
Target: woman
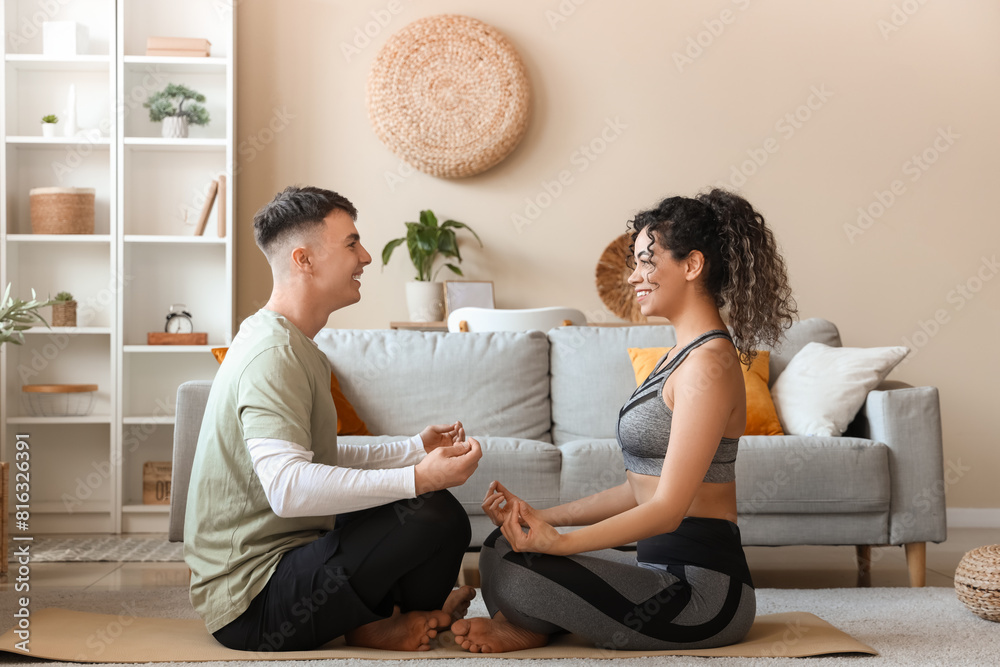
688	585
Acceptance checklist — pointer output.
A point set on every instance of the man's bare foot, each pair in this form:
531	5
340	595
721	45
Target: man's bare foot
457	604
412	631
494	635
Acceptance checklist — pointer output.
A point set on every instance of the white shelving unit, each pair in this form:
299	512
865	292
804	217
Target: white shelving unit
143	256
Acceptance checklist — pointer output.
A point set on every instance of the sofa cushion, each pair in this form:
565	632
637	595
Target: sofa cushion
786	474
589	466
528	468
401	381
592	376
811	330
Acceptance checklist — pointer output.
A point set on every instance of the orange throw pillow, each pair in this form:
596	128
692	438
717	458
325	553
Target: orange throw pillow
762	418
348	421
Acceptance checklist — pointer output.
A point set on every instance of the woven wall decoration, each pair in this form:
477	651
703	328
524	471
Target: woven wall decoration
612	272
449	95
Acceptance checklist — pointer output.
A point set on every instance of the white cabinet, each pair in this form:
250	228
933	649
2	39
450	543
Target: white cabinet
142	258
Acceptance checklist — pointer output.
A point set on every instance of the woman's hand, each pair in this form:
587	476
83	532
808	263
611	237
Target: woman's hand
442	435
540	538
497	502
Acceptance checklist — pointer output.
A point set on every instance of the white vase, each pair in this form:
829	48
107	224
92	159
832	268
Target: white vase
48	130
425	301
175	127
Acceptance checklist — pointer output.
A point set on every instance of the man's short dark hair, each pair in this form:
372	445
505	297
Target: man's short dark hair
293	209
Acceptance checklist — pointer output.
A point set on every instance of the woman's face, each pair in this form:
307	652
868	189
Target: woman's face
657	279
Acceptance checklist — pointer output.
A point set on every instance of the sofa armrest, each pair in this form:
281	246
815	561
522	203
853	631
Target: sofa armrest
192	397
908	420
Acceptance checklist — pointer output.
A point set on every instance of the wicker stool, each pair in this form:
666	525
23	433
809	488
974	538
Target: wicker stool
977	581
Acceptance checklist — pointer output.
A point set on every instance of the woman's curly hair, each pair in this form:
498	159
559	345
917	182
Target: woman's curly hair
743	269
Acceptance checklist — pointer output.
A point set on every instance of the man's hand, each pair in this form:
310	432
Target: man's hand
447	466
497	502
442	435
540	538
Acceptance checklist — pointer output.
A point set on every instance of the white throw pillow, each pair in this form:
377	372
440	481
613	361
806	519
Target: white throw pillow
823	387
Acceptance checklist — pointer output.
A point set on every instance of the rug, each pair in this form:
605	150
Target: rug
909	627
103	548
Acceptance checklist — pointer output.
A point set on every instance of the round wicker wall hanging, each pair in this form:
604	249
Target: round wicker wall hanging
449	95
612	272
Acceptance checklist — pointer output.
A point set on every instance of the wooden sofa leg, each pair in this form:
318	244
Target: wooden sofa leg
864	554
916	563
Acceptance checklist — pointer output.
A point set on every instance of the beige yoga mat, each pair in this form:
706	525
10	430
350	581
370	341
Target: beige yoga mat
75	636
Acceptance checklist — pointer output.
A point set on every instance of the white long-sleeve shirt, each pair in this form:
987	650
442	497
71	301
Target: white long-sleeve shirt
365	476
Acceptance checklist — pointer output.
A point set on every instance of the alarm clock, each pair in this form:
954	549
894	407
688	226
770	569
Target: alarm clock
178	320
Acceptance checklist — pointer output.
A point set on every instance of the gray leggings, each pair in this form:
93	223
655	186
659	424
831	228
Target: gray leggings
661	601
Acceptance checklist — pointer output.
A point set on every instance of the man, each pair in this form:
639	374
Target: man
273	568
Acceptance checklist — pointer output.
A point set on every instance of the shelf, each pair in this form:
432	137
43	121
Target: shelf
148	238
161	144
152	419
87	419
58	142
146	509
39	62
171	348
59	238
181	64
68	330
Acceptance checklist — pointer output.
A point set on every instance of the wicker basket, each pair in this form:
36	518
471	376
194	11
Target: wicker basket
64	314
62	210
977	582
59	400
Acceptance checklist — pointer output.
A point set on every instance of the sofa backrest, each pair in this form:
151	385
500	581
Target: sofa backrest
592	375
401	381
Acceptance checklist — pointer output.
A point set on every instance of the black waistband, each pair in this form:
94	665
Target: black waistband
713	544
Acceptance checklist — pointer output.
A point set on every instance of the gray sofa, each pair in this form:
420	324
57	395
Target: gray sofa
545	405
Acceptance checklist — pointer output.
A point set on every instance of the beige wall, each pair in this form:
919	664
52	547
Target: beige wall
887	95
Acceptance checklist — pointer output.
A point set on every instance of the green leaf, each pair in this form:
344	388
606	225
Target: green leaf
428	218
448	244
389	247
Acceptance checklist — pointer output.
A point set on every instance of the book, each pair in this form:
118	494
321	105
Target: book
220	210
176	53
178	43
213	188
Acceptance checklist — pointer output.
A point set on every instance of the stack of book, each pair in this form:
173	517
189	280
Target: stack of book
191	47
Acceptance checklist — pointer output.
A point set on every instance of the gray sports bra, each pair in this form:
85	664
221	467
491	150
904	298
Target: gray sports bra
643	430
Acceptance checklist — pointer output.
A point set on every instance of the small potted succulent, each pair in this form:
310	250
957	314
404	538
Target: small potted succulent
63	310
176	107
49	126
426	240
18	315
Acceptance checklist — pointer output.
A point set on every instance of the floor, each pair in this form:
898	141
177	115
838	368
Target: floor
772	567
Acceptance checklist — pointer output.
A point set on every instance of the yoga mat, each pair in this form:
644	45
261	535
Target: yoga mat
74	636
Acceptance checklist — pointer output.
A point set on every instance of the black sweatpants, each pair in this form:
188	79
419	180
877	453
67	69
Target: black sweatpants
407	554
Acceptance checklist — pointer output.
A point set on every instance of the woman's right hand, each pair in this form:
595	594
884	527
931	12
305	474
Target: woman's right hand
498	502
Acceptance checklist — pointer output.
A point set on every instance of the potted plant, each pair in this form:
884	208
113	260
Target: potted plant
17	315
49	126
63	310
426	240
168	106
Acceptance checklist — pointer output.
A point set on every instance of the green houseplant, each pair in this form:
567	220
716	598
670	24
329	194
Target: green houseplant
49	125
63	310
18	315
426	241
168	106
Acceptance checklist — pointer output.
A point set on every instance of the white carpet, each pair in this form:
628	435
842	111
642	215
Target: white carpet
927	626
113	548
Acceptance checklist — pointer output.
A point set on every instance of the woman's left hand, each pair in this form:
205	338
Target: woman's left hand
540	538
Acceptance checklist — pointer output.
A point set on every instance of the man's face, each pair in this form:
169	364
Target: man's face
339	261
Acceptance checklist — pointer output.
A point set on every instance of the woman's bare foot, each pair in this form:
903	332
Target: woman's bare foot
412	631
494	635
457	604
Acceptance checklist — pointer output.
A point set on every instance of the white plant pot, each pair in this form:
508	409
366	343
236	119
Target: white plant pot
48	130
175	127
425	301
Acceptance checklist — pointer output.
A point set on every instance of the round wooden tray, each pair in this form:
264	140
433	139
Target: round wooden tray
58	388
